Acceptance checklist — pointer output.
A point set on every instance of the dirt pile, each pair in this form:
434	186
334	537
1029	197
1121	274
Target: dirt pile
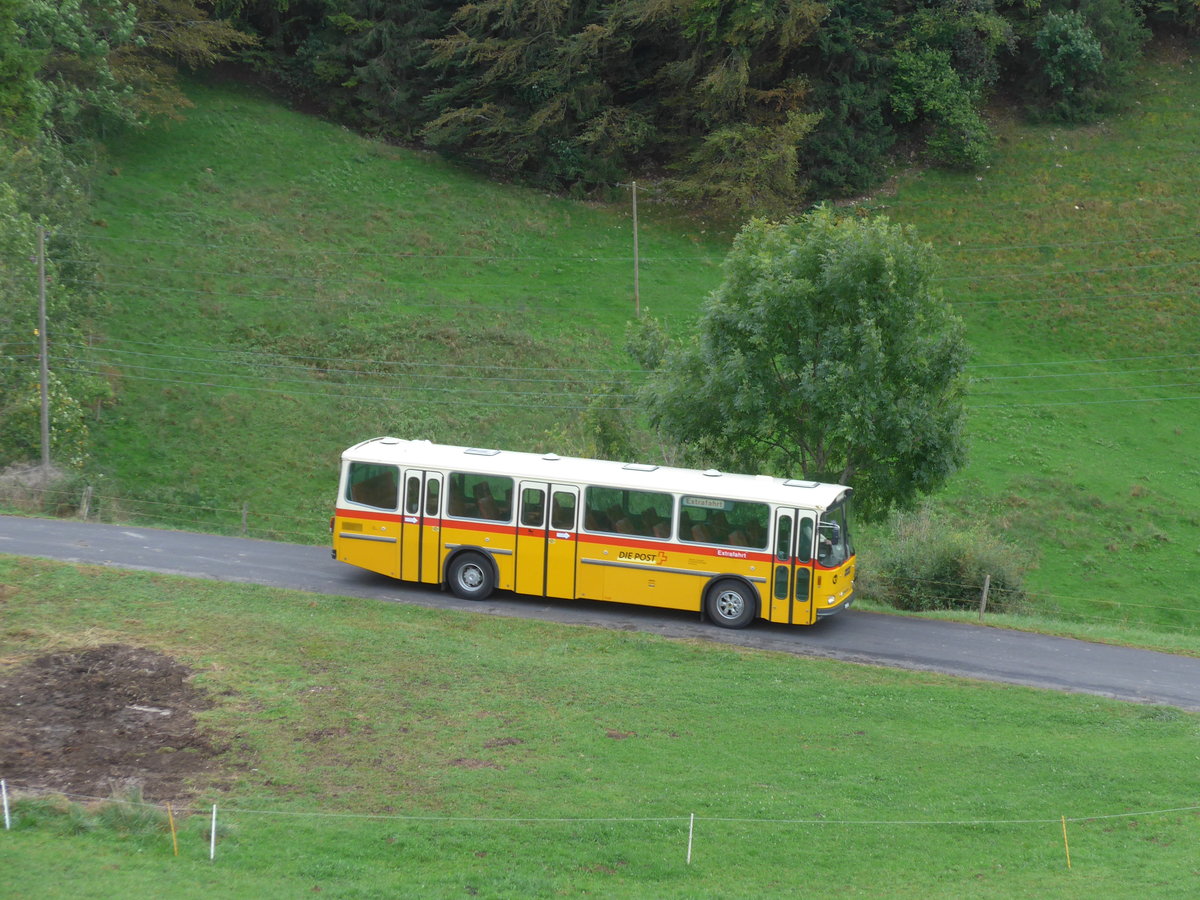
107	719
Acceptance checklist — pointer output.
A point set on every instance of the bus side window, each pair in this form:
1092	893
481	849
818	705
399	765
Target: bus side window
783	539
456	493
804	551
412	495
431	497
533	507
595	509
562	511
373	485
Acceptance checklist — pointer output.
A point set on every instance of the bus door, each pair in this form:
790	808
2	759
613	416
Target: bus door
791	576
546	543
421	532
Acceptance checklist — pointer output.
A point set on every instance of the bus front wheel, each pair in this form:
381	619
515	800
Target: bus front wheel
731	605
470	577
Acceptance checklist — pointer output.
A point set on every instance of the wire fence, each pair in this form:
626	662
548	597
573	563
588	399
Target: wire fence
247	519
163	818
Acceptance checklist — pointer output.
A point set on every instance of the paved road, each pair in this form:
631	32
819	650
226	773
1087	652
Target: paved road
991	654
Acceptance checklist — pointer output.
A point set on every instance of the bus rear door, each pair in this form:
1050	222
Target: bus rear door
546	542
421	531
791	577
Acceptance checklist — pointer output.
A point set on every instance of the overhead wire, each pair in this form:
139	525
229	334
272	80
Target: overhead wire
321	369
337	392
489	367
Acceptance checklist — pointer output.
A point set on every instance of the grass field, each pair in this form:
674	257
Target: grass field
388	750
279	288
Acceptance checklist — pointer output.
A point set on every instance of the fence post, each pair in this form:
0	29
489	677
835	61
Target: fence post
85	505
212	836
245	515
987	583
7	818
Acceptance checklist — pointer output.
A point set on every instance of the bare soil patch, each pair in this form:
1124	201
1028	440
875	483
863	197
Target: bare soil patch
104	720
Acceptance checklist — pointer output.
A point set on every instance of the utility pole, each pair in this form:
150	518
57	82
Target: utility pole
44	353
637	301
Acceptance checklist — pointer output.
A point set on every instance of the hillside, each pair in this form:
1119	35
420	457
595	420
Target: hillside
279	288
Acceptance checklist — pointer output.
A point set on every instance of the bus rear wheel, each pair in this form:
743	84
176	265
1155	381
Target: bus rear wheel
470	577
731	604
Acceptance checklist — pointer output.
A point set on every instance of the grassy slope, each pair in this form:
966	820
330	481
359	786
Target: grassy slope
1072	263
807	777
273	243
287	241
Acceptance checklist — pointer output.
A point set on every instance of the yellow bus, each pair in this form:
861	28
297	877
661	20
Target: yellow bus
736	548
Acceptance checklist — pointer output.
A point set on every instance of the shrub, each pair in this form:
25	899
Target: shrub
929	563
1072	59
1076	61
928	89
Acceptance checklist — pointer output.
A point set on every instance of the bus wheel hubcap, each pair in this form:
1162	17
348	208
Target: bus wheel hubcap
729	604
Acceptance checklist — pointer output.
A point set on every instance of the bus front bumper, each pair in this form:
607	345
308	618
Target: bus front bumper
832	609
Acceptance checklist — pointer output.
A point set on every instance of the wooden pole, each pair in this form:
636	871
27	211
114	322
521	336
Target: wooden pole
637	300
44	353
987	583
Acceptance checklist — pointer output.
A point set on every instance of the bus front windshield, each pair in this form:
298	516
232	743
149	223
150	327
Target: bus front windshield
833	536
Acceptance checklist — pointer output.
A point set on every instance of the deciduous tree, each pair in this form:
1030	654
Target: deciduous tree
825	353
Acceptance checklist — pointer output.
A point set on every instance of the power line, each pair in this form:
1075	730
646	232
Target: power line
405	385
1111	372
1067	298
336	393
1079	362
310	251
1091	388
1049	271
486	367
1079	402
335	371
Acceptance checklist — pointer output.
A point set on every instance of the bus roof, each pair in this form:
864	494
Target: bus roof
571	470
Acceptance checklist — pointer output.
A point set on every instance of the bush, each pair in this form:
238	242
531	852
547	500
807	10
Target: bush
928	563
21	418
1072	61
1077	60
927	89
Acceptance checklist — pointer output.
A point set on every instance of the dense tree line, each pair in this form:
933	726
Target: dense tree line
750	104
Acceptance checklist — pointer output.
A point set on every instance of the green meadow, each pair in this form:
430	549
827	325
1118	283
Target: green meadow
387	750
279	288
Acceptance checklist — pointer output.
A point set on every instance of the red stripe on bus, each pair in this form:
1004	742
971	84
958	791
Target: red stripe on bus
613	540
